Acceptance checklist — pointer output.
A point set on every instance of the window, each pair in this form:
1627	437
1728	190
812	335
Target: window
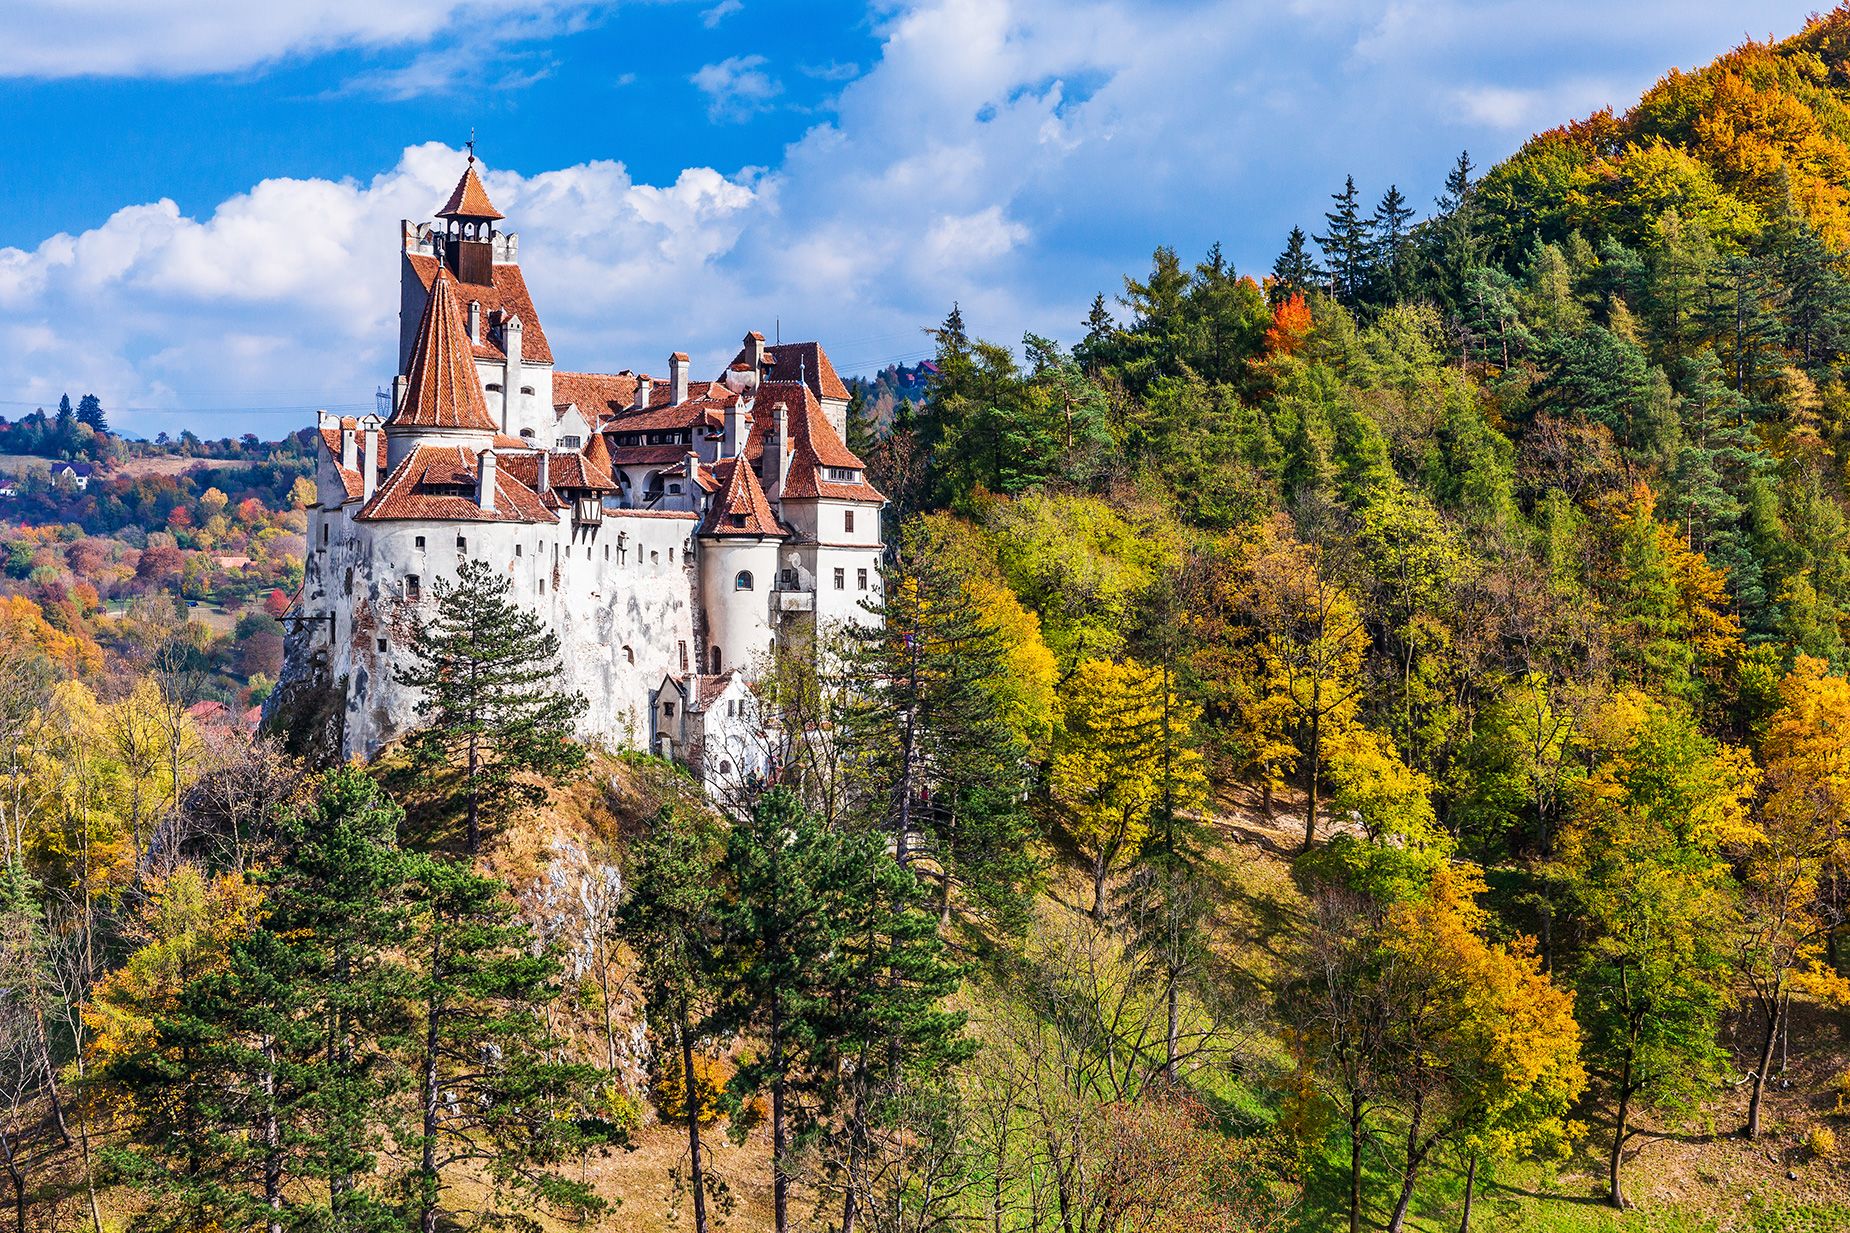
542	586
843	475
683	647
667	710
516	549
841	580
324	532
607	552
629	656
420	541
788	579
413	590
742	581
382	644
570	442
738	520
526	389
847	521
725	767
860	580
675	488
715	658
526	434
462	544
494	387
655	558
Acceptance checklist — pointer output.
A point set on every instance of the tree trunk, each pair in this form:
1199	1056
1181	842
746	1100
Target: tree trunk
1100	869
1616	1194
1174	995
1775	1011
272	1144
475	807
1310	778
780	1180
1416	1155
431	1095
1464	1222
850	1208
1356	1111
692	1099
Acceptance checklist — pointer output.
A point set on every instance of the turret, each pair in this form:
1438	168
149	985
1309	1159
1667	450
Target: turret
469	229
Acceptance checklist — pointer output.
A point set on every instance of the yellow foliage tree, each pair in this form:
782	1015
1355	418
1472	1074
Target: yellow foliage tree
1121	754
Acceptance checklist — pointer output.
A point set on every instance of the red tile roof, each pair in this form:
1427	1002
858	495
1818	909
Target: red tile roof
597	395
442	388
741	507
423	484
354	482
507	296
647	455
813	446
804	361
597	456
470	199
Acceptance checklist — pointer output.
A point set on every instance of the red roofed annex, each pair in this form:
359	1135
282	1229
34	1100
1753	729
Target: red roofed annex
673	531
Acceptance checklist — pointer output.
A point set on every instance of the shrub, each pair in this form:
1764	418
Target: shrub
1821	1141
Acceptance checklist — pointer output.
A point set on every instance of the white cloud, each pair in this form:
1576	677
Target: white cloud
736	87
175	38
1014	155
720	12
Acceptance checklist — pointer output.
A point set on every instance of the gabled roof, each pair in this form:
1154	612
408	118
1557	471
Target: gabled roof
506	296
741	507
597	395
814	447
330	440
470	199
443	390
423	486
801	361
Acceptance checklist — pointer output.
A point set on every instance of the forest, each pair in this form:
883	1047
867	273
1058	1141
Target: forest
1364	744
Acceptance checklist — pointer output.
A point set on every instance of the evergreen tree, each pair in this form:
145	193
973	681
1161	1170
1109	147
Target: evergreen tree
1391	259
673	920
1348	246
1295	272
492	1092
790	879
944	773
494	717
90	411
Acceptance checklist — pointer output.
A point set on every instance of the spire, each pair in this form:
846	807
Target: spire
470	200
597	458
442	390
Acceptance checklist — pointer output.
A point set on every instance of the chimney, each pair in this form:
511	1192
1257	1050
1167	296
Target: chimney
692	466
677	378
783	445
645	390
475	322
545	471
485	480
369	458
349	448
401	385
510	376
733	443
754	350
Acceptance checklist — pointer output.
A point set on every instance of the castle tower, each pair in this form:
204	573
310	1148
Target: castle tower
470	220
442	402
738	570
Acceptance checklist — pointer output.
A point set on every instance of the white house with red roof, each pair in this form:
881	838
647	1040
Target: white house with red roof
673	532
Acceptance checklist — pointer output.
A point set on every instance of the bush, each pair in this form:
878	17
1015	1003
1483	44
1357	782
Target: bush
710	1075
1821	1142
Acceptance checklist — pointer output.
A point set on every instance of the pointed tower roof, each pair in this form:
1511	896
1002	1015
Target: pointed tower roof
597	456
741	507
470	200
443	390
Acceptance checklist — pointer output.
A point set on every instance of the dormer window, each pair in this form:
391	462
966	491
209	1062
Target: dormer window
493	387
527	390
844	475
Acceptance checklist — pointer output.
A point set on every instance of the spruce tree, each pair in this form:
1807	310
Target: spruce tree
942	771
788	876
1390	260
1348	246
90	411
1295	272
495	719
492	1094
673	921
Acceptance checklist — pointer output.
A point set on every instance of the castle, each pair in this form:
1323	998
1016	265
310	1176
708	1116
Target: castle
670	531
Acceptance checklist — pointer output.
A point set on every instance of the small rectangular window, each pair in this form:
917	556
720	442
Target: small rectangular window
462	545
414	591
382	644
847	521
841	580
860	579
683	656
516	549
420	541
668	710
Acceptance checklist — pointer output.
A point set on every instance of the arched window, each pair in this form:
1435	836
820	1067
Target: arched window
629	656
715	661
743	582
413	590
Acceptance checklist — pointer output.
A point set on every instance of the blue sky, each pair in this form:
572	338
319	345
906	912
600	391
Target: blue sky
201	205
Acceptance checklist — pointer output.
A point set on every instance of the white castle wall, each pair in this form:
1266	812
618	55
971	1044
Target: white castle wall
738	622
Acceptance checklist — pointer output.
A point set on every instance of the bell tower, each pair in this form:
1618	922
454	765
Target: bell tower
469	228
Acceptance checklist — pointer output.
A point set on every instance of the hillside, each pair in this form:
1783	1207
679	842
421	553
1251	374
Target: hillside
1366	746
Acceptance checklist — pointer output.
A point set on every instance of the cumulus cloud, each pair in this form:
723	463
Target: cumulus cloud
720	12
736	87
175	38
1016	156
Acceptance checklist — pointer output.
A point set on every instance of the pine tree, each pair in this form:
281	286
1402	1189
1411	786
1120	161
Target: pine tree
90	411
673	921
1391	260
788	878
492	1093
1348	246
494	718
943	772
1295	272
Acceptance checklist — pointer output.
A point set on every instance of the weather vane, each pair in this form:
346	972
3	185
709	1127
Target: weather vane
470	144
